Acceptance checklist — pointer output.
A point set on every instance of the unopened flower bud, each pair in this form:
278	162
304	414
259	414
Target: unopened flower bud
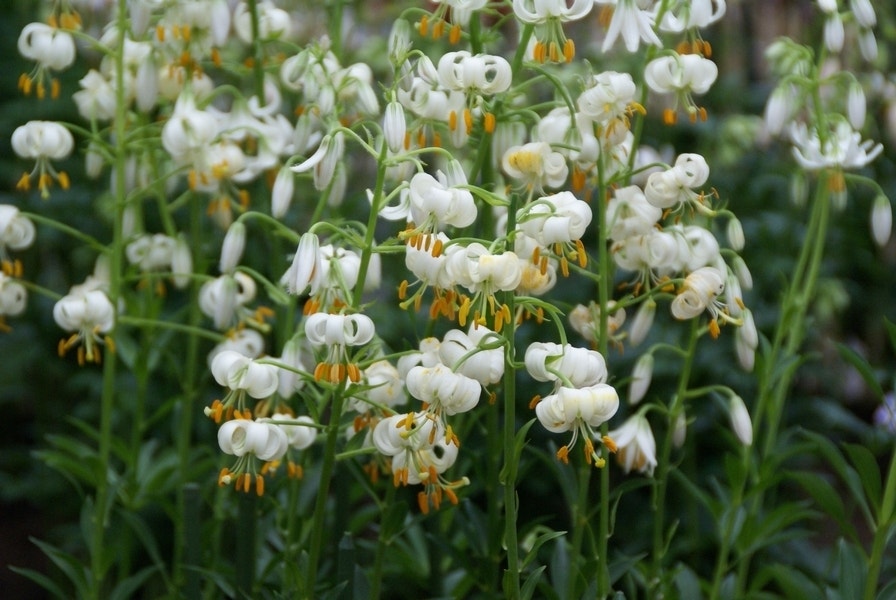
394	126
735	232
881	220
799	189
642	322
282	192
863	12
855	105
641	377
868	45
679	431
233	246
181	263
740	420
399	41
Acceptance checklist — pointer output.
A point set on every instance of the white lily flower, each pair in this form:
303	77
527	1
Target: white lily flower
16	230
245	341
609	100
477	269
289	382
696	14
300	431
843	148
567	365
282	192
386	386
630	214
682	75
42	140
273	22
548	17
441	201
863	11
223	298
536	165
419	450
239	437
394	127
96	98
443	390
323	329
13	298
463	353
474	74
634	23
48	46
593	405
151	252
558	218
699	293
635	445
240	373
88	314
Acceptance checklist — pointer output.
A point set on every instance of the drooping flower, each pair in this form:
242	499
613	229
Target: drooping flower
88	314
682	75
548	17
249	441
535	165
633	21
13	298
16	230
52	49
335	333
635	445
442	391
43	141
421	452
581	411
842	148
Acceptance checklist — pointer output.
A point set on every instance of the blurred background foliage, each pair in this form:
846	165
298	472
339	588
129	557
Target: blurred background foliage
40	393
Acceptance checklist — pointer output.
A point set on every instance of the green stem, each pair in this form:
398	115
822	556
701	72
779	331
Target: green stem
257	53
98	565
605	278
789	337
320	503
512	577
664	467
882	530
185	555
382	545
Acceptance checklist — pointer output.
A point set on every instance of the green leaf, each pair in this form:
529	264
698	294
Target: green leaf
793	583
687	583
888	593
531	583
41	580
849	476
126	588
827	498
869	471
508	473
623	565
393	520
853	569
68	564
538	543
149	543
559	573
861	365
